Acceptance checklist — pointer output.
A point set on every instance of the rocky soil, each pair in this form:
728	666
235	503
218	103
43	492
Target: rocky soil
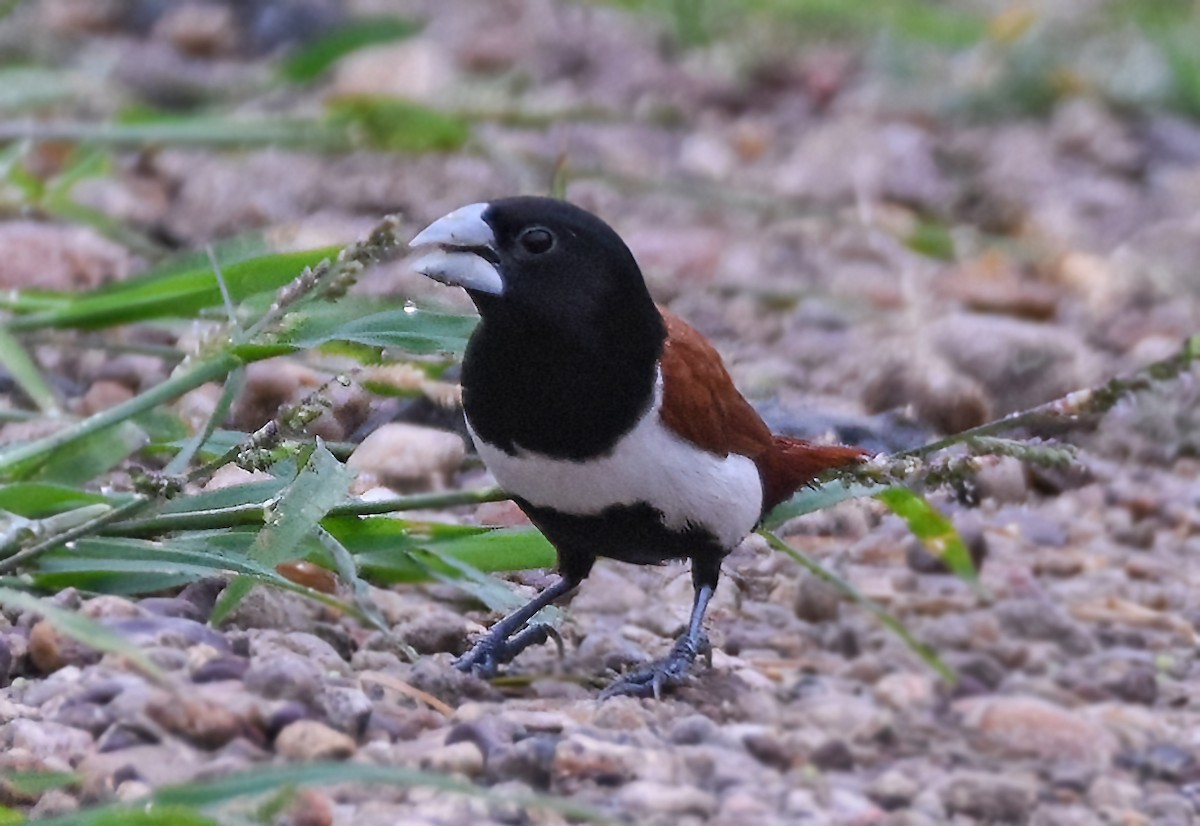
771	211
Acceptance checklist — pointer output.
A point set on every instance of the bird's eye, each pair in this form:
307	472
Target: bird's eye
537	240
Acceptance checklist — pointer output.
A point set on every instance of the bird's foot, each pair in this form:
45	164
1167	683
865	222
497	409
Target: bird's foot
499	646
669	672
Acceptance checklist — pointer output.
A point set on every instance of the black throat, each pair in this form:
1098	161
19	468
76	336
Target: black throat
567	388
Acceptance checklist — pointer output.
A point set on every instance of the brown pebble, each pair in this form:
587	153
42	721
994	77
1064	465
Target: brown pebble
308	574
309	808
104	394
205	724
309	740
49	650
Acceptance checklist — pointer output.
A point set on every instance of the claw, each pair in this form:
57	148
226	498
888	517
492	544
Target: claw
669	672
510	636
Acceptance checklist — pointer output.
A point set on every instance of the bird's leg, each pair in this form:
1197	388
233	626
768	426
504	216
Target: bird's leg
672	670
500	645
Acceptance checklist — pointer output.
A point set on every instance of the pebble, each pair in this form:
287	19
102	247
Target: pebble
50	651
893	789
1037	618
905	690
102	395
531	760
44	739
205	724
346	708
273	608
464	758
579	757
284	677
54	803
658	798
1020	363
410	457
434	631
816	600
992	798
225	667
1020	725
309	740
833	755
50	256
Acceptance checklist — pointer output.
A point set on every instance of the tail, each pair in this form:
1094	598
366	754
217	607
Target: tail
793	463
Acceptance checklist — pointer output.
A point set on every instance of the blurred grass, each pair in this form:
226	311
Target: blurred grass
972	59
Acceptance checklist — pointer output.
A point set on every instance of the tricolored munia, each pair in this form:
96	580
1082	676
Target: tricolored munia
612	423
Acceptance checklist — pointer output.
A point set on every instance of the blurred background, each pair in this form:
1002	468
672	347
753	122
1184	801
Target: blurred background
959	209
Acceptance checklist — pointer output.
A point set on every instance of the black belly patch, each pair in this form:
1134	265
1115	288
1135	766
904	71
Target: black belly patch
628	533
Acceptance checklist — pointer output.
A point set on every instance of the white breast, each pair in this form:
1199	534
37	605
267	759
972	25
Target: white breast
649	464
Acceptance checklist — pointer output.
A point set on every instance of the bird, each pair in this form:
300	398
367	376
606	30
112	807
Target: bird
612	423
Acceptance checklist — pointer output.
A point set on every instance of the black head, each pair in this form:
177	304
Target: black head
565	356
539	263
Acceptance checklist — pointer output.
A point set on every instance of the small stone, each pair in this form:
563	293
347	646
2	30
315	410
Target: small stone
659	798
49	650
284	677
410	457
310	807
1168	763
1040	619
169	632
463	757
161	764
54	803
67	258
346	708
225	667
770	749
1020	363
415	69
123	736
1031	726
44	739
102	395
273	608
435	631
581	757
206	724
171	607
1139	684
308	740
198	29
893	789
692	730
530	760
905	690
833	755
816	600
853	809
992	798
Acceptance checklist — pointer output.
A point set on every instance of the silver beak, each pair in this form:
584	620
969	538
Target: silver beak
461	235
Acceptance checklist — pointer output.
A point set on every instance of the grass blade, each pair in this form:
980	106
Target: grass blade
173	294
25	372
312	61
935	531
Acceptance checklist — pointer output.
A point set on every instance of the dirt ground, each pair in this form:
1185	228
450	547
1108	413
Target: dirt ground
778	204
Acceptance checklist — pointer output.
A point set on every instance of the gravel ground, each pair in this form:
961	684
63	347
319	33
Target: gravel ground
769	214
